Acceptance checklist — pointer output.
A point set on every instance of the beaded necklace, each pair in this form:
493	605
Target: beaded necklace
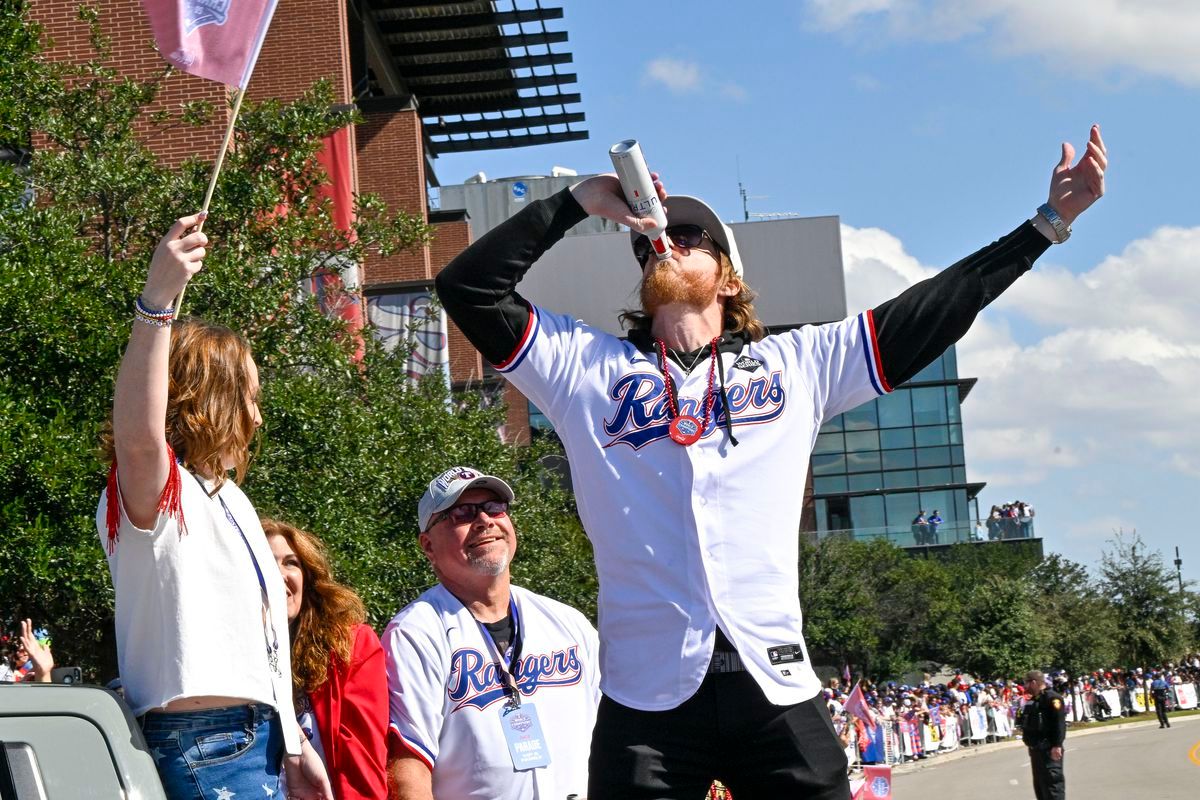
685	429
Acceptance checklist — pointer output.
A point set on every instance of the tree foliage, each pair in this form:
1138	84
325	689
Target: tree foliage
348	444
1151	614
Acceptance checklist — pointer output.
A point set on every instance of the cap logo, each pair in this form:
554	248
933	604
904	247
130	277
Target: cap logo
451	475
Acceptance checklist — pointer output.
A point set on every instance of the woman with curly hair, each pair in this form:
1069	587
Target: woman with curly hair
339	683
202	633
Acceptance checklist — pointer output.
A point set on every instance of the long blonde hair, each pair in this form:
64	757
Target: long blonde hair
208	399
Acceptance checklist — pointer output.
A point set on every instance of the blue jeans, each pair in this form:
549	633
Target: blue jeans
217	754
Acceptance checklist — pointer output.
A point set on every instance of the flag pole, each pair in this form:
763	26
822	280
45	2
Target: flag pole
212	178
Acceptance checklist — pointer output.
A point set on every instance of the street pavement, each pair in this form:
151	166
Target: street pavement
1137	761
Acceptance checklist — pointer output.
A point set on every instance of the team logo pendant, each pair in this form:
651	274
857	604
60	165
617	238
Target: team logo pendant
686	430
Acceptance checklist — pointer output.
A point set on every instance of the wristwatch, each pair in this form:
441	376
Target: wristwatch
1061	229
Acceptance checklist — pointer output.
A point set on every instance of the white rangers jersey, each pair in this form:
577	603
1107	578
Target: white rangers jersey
687	538
446	695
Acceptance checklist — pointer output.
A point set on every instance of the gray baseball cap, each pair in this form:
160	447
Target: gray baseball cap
445	489
684	210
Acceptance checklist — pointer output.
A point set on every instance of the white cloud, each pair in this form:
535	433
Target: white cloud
686	77
1075	370
675	74
1149	37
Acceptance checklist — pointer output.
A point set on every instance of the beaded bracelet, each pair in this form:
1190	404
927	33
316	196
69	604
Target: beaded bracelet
140	307
157	322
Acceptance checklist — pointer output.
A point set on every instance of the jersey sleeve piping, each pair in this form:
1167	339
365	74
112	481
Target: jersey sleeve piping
866	326
523	345
413	746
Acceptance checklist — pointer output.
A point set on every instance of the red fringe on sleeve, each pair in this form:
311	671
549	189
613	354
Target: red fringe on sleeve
170	502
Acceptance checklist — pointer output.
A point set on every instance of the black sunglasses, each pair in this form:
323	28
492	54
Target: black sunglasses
467	512
688	236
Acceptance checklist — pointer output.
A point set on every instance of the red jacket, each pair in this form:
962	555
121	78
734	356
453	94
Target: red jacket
351	708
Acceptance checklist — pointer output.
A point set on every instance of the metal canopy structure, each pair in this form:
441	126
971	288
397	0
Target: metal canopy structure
483	75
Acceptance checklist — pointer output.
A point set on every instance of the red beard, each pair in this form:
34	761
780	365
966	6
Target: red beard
664	286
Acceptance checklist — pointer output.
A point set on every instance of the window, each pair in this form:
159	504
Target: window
899	479
933	477
837	483
902	508
956	434
867	512
865	482
828	464
862	418
931	457
833	425
950	360
954	408
863	462
829	443
929	405
957	455
933	435
934	372
895	409
858	441
899	459
898	437
960	474
537	420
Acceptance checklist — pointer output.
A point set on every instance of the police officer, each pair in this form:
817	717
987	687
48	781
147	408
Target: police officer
1159	689
1043	728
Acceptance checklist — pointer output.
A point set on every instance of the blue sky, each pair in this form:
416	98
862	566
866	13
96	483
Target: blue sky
930	127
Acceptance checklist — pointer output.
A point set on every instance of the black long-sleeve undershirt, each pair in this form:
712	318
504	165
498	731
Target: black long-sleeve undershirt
478	288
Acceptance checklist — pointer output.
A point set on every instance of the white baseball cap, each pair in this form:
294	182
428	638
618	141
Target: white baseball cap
445	489
684	210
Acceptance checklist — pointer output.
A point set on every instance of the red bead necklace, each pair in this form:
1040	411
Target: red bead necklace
685	429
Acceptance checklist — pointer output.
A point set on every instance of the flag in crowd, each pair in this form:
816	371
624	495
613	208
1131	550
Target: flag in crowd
858	707
214	39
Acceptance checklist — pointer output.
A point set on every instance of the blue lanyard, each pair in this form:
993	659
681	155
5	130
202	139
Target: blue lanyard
510	658
271	637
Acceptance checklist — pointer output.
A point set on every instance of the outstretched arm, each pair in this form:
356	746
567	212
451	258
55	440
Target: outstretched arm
478	288
916	327
140	399
39	654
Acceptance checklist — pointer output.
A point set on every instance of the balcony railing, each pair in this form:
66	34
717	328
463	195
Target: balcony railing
947	533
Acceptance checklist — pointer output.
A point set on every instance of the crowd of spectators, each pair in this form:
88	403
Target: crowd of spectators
1010	521
919	721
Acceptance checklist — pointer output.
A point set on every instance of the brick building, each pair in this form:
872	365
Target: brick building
428	77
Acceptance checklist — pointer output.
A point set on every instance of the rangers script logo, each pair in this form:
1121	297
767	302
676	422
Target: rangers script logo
641	416
475	678
198	13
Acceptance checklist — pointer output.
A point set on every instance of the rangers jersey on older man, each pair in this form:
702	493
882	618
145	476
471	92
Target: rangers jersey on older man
447	693
689	539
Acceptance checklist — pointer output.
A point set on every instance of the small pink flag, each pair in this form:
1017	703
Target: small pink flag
214	39
856	704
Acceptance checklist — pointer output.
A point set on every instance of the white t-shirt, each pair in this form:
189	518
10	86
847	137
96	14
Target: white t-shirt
446	695
686	538
189	616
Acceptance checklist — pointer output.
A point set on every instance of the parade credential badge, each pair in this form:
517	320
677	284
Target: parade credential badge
1056	703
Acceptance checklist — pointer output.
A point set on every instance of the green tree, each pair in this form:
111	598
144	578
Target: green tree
1083	623
1151	612
348	444
1003	633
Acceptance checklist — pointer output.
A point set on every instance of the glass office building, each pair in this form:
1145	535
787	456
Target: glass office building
876	467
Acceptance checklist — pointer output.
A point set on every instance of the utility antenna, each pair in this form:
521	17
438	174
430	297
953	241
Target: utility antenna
746	197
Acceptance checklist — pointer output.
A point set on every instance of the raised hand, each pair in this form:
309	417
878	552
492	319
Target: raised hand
601	196
178	257
1074	188
39	654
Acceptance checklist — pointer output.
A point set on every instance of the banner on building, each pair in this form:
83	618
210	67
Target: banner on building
409	319
214	39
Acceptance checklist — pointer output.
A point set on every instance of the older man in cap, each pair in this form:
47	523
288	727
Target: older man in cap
493	688
684	440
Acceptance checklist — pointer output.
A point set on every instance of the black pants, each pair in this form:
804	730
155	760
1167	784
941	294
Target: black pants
1160	708
727	731
1049	782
